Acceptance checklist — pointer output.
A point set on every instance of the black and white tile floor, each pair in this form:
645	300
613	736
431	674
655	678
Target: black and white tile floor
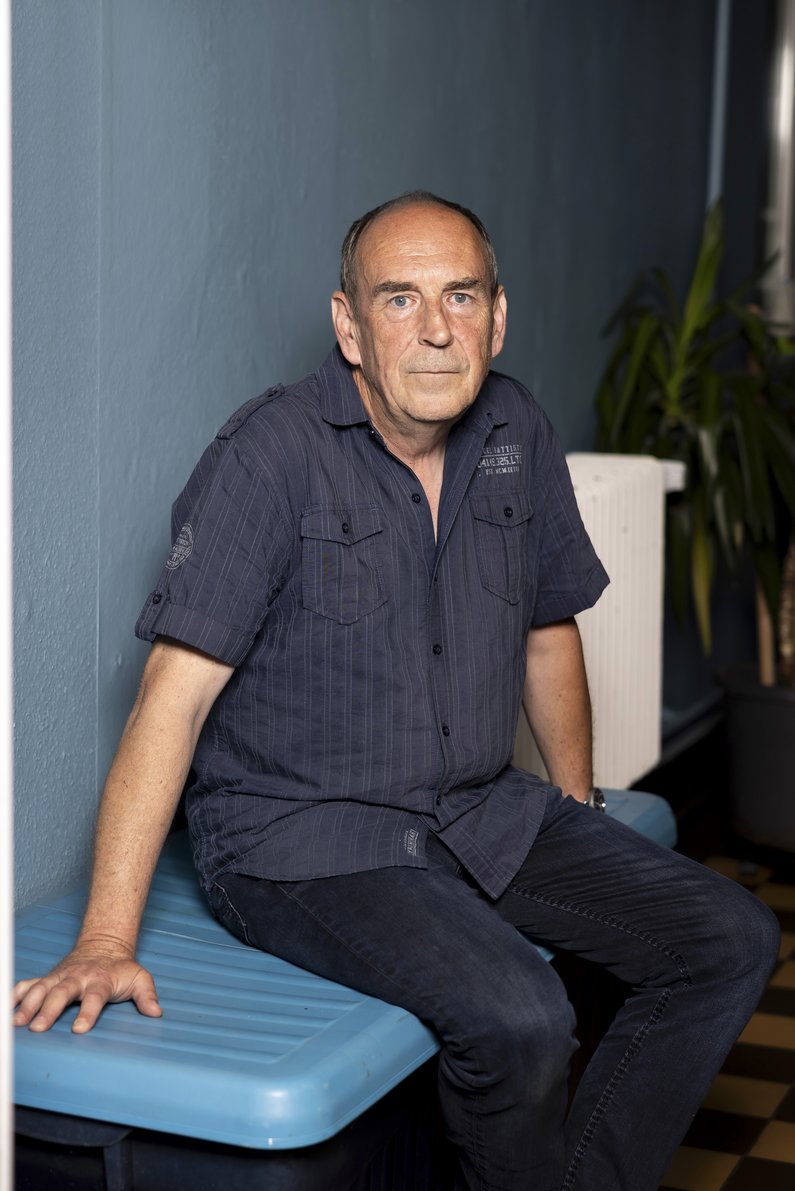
743	1137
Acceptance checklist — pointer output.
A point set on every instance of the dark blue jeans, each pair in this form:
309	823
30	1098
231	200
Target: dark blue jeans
695	949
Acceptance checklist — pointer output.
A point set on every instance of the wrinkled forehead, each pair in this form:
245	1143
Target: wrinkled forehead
421	237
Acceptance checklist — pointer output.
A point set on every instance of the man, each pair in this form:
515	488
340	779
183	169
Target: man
370	569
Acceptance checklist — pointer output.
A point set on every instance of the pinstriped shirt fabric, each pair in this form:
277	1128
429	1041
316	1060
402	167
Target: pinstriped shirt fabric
378	670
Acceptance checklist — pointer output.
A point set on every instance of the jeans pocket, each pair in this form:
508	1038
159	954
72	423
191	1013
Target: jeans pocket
340	571
501	525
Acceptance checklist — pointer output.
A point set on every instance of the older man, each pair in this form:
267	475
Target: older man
370	569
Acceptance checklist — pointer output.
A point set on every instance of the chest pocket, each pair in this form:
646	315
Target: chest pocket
340	572
501	541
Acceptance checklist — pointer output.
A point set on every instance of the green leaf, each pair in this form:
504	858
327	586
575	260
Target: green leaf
701	574
702	284
626	304
768	571
606	394
758	497
780	447
752	282
646	331
678	562
784	345
754	327
663	282
709	382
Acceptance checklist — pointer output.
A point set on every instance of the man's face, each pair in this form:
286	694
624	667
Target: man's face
426	325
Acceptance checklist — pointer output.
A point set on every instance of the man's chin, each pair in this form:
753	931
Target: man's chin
437	397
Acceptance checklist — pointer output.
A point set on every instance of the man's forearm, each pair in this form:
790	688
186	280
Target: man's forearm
142	791
138	803
558	706
177	691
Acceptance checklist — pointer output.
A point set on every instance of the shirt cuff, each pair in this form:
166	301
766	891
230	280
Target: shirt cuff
222	641
561	605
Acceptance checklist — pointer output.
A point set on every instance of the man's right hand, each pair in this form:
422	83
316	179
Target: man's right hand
94	975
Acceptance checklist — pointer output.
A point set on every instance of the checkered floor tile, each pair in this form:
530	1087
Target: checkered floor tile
743	1136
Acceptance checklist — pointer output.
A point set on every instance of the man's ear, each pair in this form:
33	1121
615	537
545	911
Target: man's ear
500	315
344	322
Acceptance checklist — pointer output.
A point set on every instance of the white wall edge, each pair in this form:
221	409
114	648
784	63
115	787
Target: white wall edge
6	706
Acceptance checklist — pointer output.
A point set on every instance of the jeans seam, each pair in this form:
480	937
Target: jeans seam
232	910
613	1083
610	920
636	1042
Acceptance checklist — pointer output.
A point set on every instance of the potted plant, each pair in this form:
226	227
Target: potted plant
711	383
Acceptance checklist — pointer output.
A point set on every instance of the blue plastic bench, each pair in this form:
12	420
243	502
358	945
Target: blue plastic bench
251	1051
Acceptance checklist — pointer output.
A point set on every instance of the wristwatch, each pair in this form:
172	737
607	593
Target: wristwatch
595	799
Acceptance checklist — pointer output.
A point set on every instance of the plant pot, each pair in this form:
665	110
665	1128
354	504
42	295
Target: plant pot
760	723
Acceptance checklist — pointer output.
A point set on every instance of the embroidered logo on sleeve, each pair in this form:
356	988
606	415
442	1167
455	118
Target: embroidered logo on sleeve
500	461
181	548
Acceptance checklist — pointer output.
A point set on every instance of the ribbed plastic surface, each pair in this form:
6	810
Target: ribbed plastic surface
250	1051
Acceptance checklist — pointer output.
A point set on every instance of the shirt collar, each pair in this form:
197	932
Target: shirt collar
341	405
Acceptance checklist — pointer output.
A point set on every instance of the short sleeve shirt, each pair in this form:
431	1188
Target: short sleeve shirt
378	667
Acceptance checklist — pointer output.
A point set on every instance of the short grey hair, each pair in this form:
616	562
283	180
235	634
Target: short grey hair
413	198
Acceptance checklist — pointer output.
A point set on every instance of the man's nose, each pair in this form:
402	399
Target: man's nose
435	328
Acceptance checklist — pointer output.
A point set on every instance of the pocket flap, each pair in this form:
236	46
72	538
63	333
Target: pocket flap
345	526
506	509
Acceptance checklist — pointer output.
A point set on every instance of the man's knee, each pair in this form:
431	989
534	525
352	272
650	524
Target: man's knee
525	1026
742	945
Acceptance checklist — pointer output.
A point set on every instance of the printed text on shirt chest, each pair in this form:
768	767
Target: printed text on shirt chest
500	460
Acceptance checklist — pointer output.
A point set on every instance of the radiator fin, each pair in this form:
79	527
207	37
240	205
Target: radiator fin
621	500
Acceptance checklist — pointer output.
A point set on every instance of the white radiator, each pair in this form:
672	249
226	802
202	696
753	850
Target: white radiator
621	500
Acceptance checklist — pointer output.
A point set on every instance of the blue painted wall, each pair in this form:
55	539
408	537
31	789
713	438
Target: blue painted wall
184	174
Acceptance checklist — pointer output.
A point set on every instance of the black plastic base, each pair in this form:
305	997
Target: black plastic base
395	1146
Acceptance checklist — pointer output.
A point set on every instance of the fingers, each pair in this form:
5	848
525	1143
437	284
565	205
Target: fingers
90	1008
53	1005
144	995
28	996
41	1002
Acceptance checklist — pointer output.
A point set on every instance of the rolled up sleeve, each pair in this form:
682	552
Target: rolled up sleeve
228	550
570	577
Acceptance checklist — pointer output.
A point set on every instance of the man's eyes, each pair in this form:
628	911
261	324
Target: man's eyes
403	301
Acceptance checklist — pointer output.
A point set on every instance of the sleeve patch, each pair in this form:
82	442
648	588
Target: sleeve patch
182	548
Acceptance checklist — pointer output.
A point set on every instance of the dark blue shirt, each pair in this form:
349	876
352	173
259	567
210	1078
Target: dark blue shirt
379	670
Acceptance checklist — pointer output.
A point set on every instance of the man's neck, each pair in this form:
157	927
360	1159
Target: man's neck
420	445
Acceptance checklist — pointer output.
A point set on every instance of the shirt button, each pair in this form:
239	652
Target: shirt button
156	598
445	730
437	649
415	496
508	511
345	527
438	800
